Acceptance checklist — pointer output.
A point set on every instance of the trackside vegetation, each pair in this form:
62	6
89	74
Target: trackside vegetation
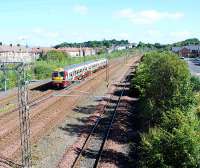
43	67
168	113
53	59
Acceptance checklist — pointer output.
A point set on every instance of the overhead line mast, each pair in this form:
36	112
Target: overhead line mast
24	118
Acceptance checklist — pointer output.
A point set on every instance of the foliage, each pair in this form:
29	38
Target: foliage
43	70
43	67
94	44
156	46
197	109
162	149
176	118
168	101
164	47
53	55
195	83
11	78
191	41
164	82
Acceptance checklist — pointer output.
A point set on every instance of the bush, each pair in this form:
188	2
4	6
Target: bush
195	83
56	56
161	149
43	71
167	102
11	80
164	84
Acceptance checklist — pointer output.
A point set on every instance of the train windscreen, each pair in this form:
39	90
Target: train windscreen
58	74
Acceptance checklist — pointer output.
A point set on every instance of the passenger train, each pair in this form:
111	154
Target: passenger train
62	77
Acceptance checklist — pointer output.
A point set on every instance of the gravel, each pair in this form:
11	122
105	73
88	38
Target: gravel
46	155
71	153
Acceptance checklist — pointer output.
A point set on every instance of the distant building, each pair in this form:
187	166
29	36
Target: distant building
78	52
41	50
121	47
10	53
187	51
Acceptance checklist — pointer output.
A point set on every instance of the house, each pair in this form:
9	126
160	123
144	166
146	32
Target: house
187	51
78	52
11	53
41	50
121	47
73	52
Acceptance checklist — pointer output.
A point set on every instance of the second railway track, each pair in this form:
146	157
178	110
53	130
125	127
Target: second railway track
44	115
90	154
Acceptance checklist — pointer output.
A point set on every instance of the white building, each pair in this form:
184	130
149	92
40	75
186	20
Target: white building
10	53
78	52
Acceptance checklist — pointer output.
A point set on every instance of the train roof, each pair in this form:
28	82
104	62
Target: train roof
74	66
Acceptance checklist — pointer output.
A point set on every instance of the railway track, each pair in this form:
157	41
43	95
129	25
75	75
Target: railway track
45	114
13	96
90	153
36	100
8	163
40	115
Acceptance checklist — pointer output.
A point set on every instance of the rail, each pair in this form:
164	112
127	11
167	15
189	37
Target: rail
107	132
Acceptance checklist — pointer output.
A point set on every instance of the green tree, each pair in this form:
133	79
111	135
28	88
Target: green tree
43	70
164	83
56	56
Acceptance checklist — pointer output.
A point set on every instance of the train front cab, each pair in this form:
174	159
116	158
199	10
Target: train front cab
59	78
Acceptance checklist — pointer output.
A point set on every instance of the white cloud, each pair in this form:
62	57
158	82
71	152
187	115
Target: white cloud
81	9
147	16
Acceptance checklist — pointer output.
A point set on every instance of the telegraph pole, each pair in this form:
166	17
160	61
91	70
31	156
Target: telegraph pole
125	57
5	77
107	68
24	118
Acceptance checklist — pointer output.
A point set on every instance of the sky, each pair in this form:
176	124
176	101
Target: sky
50	22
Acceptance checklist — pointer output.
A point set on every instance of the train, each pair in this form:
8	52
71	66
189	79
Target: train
63	77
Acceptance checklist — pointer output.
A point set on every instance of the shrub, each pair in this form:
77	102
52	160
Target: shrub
164	84
167	102
162	149
195	83
56	56
43	71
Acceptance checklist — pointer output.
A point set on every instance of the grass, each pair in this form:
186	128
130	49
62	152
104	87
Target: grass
7	108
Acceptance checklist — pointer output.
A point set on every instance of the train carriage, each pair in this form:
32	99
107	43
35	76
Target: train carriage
62	77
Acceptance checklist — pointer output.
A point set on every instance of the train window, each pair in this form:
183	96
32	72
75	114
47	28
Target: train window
61	74
55	74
